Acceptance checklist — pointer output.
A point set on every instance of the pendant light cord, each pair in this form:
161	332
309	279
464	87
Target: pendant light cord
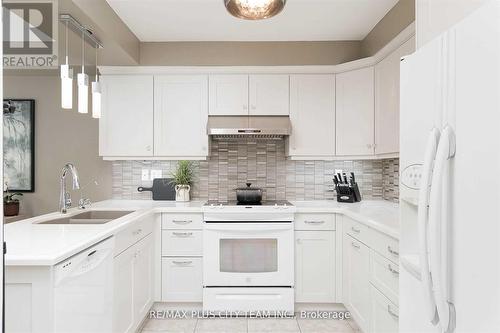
96	70
66	36
83	52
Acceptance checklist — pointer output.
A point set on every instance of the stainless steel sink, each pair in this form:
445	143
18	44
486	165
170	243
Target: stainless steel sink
89	217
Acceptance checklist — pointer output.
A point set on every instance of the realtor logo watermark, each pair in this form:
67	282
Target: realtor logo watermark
30	34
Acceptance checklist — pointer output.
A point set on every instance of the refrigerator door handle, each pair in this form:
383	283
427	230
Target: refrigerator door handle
438	223
423	226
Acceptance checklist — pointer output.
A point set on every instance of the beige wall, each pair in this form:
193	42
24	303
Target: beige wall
249	53
436	16
398	18
60	136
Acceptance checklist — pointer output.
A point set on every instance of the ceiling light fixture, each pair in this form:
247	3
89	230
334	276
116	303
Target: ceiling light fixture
66	80
254	9
96	91
83	84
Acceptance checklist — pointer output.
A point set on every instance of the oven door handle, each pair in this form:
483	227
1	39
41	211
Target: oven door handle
243	227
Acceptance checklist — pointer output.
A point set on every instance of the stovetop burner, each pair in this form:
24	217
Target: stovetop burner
237	203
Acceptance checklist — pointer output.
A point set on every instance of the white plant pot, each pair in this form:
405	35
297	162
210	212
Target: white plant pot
182	193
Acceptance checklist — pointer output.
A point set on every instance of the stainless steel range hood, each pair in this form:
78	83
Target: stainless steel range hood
258	127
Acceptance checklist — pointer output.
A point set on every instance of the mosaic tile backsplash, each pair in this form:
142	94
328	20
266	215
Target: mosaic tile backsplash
263	163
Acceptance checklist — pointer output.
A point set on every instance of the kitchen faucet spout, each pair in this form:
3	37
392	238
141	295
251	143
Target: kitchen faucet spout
64	196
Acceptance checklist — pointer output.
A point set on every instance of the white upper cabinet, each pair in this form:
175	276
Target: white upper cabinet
312	113
355	112
228	95
181	115
387	100
269	95
126	125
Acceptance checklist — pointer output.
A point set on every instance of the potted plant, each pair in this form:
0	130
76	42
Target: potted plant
11	204
183	178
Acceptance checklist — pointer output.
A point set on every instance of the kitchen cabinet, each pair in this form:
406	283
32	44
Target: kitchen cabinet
126	124
384	314
312	114
387	99
269	95
180	115
228	95
315	266
133	284
182	279
355	112
356	284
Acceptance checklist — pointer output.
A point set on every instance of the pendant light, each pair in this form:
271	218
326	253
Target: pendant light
254	9
96	91
66	80
83	84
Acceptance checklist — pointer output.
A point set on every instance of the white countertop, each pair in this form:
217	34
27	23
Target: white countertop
31	244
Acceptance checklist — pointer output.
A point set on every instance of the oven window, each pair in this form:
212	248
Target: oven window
248	255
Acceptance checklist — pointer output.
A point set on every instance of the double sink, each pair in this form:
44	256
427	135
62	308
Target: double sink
89	217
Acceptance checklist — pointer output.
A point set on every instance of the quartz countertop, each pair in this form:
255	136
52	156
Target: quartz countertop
31	244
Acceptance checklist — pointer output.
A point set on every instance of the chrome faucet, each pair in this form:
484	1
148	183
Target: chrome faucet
64	196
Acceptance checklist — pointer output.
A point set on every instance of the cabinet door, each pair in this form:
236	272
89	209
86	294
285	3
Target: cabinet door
143	277
356	284
269	95
315	266
126	124
384	314
181	115
387	100
312	113
182	279
228	95
355	112
123	299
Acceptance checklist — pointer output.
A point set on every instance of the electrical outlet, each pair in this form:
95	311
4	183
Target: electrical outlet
155	174
145	174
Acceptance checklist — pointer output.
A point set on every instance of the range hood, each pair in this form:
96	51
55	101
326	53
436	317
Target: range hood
258	127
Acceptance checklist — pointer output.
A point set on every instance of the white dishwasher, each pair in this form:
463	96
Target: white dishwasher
83	290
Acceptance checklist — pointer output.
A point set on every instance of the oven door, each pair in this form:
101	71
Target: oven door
248	254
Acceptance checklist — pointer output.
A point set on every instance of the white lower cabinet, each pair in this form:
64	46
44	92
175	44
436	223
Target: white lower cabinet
133	285
356	283
384	314
315	266
182	279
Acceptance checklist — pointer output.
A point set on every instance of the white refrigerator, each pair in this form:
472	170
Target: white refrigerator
450	180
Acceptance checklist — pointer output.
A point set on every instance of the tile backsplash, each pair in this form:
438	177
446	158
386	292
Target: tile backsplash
263	163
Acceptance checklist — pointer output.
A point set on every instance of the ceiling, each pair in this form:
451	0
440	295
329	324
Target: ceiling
207	20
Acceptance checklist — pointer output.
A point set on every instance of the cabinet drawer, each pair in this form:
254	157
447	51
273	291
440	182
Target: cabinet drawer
314	221
357	230
384	314
384	274
181	221
132	234
182	279
181	243
385	245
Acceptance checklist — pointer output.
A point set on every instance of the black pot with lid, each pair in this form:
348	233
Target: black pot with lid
249	194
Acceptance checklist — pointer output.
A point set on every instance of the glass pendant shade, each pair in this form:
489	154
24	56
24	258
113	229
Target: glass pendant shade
254	9
96	99
66	87
83	93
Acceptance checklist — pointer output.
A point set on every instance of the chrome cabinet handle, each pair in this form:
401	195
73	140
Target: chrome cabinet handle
182	234
392	313
182	221
187	262
355	245
392	270
391	251
355	230
136	232
314	222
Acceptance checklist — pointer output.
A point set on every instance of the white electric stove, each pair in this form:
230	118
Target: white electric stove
248	257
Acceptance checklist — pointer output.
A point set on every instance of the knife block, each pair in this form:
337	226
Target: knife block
348	193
